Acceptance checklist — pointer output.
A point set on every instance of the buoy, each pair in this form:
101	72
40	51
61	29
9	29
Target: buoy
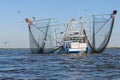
114	12
27	20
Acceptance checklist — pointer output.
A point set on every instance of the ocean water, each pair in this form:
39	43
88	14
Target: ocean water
20	64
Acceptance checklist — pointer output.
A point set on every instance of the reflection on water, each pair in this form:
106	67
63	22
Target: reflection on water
21	64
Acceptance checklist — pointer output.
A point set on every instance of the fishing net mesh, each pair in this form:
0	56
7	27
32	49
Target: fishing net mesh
100	32
43	35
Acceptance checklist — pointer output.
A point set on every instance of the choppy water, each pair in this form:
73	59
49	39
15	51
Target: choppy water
21	64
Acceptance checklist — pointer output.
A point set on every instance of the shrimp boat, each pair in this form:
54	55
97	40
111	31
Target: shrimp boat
74	38
91	36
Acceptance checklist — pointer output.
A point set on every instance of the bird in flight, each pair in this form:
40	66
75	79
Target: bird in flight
5	42
19	12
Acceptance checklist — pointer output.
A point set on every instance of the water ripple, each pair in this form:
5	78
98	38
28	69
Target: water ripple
21	64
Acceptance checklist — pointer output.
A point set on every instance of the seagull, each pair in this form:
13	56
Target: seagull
33	17
19	12
80	17
61	32
5	42
85	9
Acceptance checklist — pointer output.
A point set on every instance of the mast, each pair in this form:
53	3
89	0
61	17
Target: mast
93	33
